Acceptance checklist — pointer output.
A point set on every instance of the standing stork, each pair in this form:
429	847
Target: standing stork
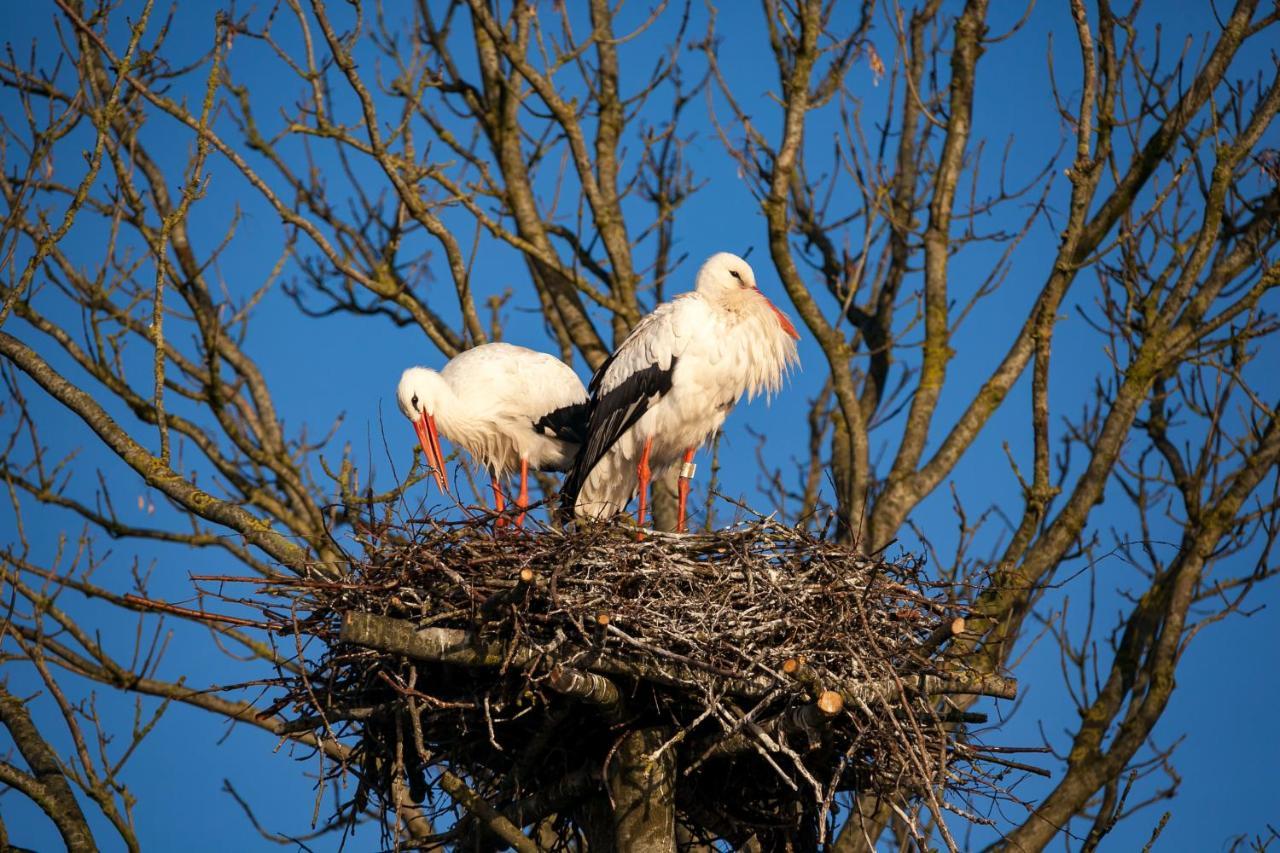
508	406
671	384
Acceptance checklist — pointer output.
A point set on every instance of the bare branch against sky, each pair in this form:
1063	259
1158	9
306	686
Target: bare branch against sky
1033	253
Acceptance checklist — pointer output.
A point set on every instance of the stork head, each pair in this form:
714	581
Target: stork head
725	272
725	275
419	391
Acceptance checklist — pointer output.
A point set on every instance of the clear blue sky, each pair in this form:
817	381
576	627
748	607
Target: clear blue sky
1228	685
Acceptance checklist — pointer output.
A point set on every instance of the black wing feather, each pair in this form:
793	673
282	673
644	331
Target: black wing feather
596	378
611	416
567	423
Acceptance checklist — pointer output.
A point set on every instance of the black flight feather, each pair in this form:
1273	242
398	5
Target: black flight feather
612	415
567	423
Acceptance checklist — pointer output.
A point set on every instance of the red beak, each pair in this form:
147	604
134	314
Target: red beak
425	427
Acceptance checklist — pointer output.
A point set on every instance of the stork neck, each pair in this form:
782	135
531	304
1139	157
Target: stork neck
454	417
742	303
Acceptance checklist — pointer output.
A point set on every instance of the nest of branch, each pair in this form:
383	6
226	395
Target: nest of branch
778	670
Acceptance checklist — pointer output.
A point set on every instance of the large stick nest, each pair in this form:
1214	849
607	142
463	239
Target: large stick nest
781	669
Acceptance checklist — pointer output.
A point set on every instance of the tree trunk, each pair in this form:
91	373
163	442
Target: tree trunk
596	822
643	792
665	504
864	826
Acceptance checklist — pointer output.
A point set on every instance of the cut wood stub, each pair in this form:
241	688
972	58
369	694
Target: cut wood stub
588	687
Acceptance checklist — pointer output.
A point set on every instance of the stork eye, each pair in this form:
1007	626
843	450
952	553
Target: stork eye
735	274
414	401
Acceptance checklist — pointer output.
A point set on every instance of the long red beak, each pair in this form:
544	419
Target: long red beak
425	426
783	319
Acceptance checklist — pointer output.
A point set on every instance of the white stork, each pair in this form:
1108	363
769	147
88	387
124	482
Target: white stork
671	383
508	406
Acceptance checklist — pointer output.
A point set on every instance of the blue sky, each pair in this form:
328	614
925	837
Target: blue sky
320	369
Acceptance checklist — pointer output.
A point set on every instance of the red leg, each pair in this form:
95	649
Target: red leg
499	502
522	500
642	471
686	474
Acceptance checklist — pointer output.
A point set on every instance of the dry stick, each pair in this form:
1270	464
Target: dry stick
548	800
1005	762
710	708
670	655
732	720
494	819
199	615
417	822
809	720
553	798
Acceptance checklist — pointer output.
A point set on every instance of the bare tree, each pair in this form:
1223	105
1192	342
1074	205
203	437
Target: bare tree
395	146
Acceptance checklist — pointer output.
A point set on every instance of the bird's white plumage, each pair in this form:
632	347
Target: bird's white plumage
489	401
725	340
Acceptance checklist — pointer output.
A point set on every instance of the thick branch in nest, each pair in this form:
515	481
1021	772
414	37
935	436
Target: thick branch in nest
588	687
464	648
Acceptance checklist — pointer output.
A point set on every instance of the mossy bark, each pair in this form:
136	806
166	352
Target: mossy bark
643	793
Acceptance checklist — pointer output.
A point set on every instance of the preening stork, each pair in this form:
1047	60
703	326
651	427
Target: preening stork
671	384
509	407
